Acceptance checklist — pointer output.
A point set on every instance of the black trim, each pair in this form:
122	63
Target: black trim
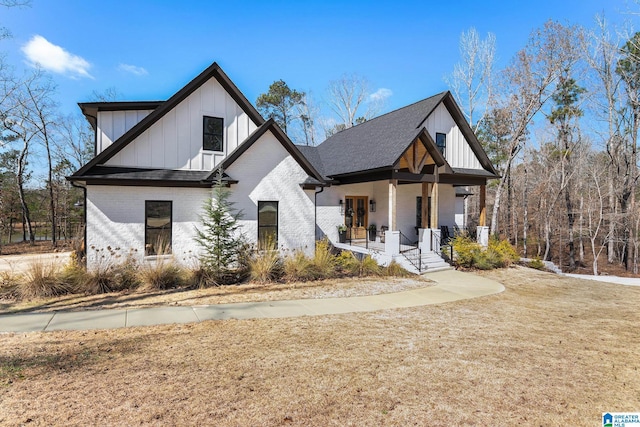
441	147
205	133
213	70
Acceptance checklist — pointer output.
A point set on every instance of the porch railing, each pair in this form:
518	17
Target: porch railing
350	239
411	251
441	245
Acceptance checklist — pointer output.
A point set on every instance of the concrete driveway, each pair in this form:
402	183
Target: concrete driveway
20	263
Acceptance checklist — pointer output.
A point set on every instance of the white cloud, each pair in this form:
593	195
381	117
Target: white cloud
138	71
380	95
39	51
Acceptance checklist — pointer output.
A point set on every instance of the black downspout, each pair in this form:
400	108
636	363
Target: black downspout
84	218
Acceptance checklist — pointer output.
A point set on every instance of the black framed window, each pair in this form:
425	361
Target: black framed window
441	142
213	128
157	227
267	225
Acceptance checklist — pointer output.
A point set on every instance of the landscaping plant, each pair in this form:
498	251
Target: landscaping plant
219	236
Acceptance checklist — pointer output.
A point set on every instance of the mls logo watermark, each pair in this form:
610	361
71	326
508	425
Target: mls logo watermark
621	419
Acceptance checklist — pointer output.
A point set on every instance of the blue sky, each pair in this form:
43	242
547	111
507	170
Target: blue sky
147	50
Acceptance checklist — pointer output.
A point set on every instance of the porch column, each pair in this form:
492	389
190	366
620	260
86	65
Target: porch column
483	230
425	207
393	184
434	205
483	208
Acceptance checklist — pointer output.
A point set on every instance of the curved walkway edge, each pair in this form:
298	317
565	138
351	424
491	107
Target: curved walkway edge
451	285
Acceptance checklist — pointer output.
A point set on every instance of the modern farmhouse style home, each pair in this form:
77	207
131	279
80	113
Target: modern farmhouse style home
156	162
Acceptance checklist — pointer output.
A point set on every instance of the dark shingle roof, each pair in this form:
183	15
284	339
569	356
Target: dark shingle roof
124	175
374	144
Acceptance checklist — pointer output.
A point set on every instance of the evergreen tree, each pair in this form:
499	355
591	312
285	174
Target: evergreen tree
220	236
279	103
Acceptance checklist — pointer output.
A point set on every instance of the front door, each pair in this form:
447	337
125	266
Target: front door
356	217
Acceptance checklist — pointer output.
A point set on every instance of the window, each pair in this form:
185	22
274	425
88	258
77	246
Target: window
157	227
212	134
441	142
267	225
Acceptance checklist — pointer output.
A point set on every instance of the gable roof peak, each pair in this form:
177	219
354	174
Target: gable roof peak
212	71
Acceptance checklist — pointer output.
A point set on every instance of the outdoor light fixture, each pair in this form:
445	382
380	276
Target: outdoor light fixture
341	206
372	205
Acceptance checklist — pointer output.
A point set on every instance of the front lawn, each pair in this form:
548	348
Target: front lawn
549	350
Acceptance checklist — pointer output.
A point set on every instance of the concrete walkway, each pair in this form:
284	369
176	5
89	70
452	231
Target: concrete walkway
451	285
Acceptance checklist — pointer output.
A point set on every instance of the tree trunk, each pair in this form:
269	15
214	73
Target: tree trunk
525	220
26	215
581	233
570	223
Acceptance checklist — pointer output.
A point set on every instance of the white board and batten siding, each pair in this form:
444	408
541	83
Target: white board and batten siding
113	124
175	141
458	153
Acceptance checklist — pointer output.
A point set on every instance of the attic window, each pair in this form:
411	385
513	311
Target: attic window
212	134
441	142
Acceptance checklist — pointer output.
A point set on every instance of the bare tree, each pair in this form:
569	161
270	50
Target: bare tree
531	80
348	99
472	79
40	111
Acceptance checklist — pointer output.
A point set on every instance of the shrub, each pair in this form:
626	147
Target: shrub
161	274
8	285
348	263
73	275
40	280
470	254
537	264
100	280
369	267
265	265
298	267
395	270
466	251
503	252
323	263
126	275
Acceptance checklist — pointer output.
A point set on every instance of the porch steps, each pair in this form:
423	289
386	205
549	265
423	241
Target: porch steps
429	262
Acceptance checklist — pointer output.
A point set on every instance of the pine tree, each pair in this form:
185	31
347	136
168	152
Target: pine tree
220	237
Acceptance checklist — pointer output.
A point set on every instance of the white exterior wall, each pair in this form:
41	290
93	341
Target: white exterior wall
446	205
113	124
329	216
116	216
460	212
267	172
458	153
175	141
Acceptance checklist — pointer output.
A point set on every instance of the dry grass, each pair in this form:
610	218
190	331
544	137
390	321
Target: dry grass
548	351
247	292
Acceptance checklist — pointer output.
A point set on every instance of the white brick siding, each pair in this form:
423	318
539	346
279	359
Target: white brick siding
267	172
116	215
